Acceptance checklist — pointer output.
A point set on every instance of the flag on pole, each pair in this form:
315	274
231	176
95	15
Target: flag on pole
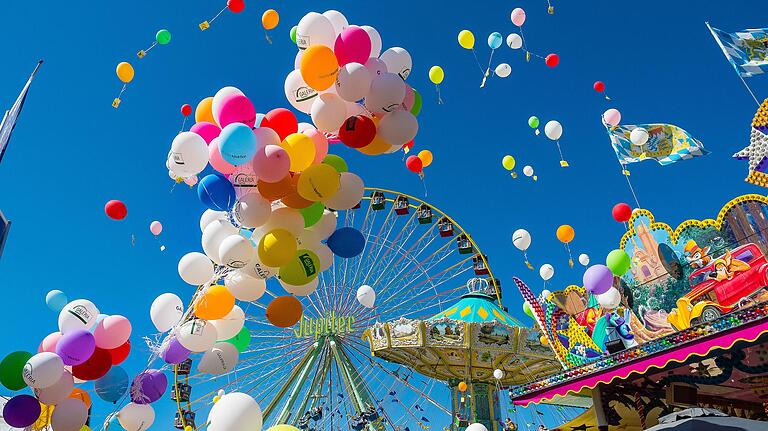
11	115
747	50
5	225
666	144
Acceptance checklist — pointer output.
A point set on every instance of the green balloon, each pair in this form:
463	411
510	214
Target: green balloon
163	37
533	122
242	340
337	162
293	33
527	309
312	213
11	369
302	269
416	108
618	262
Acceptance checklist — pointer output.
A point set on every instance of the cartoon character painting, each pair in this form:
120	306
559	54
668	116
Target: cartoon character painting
696	256
726	267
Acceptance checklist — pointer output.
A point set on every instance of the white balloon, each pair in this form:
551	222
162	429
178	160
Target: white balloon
375	67
189	154
136	417
77	314
195	268
398	128
315	29
366	296
354	108
612	117
610	299
338	20
386	95
638	136
398	61
498	374
545	293
305	127
375	37
325	255
219	97
553	130
546	271
256	269
43	370
209	216
514	41
57	392
353	82
303	290
503	70
221	358
197	335
283	218
527	171
229	325
166	311
236	251
328	112
521	239
476	427
584	259
213	235
350	192
69	415
244	287
299	94
235	411
252	210
326	226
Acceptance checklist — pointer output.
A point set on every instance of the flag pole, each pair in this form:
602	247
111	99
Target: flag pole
722	47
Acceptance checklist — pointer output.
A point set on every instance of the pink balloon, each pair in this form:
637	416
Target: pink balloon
155	227
218	162
518	17
410	98
208	131
49	342
112	332
236	108
612	117
353	45
271	163
321	144
244	179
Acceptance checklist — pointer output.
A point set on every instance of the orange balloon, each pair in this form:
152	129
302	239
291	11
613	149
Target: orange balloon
269	19
215	303
462	387
565	233
293	199
319	67
376	147
284	311
81	395
275	191
204	111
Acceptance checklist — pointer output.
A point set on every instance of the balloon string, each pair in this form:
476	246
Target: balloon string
150	47
560	150
423	183
477	60
183	124
217	15
122	90
527	263
488	69
439	100
266	35
570	258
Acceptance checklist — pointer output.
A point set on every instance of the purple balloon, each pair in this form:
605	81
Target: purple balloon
598	279
76	347
148	387
21	411
174	352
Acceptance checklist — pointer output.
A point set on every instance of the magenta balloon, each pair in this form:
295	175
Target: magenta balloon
208	131
112	332
598	279
353	45
21	411
75	347
271	163
237	108
173	352
218	162
148	387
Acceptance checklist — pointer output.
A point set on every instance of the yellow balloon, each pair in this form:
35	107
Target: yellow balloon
466	39
302	269
45	417
269	19
426	158
188	428
125	72
436	74
204	111
85	428
216	399
282	427
319	182
301	150
508	162
277	248
376	147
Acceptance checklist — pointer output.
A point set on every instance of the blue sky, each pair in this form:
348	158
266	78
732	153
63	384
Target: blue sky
71	151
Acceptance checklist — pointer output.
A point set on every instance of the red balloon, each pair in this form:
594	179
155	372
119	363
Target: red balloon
236	6
621	212
186	110
414	164
281	121
408	144
552	60
357	132
95	367
599	86
118	354
115	210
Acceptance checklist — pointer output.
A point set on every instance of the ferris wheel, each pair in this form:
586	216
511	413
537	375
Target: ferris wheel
319	374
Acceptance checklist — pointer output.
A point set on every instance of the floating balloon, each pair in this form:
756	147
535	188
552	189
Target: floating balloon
521	239
299	94
148	387
215	303
137	417
346	242
188	155
398	61
21	411
328	112
300	149
553	130
244	287
315	29
357	131
618	262
638	136
272	162
125	72
156	227
366	296
173	352
353	81
235	411
621	212
565	233
220	359
78	314
197	335
43	370
375	38
426	157
76	346
236	251
533	122
115	210
269	19
414	164
528	172
352	45
12	370
514	41
552	60
319	67
112	386
283	312
598	86
195	268
518	16
277	247
436	75
462	386
282	121
609	299
508	162
58	392
242	340
94	367
49	342
466	39
112	332
494	40
237	144
598	279
584	259
612	117
213	235
56	300
216	192
229	325
386	95
301	269
120	353
546	271
503	70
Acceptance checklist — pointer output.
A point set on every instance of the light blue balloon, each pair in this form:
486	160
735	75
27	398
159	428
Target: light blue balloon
99	318
494	40
56	300
113	385
259	119
237	144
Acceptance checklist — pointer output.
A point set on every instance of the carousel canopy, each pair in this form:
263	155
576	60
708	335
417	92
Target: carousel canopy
477	307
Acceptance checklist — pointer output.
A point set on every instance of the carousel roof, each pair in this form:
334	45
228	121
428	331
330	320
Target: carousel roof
477	307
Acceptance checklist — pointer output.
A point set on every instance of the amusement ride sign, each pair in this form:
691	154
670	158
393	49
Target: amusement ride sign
331	324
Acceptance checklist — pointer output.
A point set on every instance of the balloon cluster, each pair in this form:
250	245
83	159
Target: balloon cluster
354	92
88	347
599	279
